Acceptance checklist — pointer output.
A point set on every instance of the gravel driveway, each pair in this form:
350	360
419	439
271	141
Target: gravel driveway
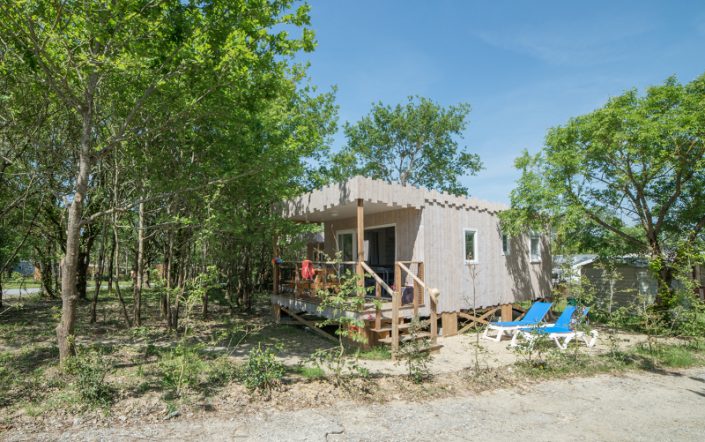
638	407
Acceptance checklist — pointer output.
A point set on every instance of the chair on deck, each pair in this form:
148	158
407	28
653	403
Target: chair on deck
533	317
564	328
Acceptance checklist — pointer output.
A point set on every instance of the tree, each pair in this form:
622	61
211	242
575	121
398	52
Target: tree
105	63
415	143
629	176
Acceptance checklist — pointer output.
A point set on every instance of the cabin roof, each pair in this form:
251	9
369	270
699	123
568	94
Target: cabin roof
581	260
338	201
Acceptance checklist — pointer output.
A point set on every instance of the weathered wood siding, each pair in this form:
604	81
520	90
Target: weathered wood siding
631	283
495	278
430	228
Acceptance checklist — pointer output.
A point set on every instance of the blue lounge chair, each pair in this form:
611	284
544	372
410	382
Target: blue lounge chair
533	317
564	328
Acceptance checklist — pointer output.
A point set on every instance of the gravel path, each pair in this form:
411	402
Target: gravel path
34	290
638	407
22	291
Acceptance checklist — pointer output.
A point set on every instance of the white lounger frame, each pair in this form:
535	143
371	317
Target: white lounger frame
501	329
556	337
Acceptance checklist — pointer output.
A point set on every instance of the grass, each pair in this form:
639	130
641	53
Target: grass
312	372
378	353
139	361
552	363
149	361
672	355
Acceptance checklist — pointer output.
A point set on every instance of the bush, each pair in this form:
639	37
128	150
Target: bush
221	371
263	371
89	371
415	353
181	367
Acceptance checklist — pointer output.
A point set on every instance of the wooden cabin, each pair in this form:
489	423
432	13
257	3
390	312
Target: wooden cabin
630	280
408	242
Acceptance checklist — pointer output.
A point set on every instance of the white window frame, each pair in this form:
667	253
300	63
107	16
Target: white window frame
532	259
353	232
509	244
475	246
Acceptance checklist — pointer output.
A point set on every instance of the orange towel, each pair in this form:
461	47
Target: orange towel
307	270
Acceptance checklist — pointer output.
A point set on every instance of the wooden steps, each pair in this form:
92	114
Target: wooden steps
388	329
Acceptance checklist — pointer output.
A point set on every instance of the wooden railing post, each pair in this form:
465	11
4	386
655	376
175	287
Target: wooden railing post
378	311
433	297
396	304
419	290
360	245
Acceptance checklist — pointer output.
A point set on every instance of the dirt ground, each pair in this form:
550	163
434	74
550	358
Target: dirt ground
634	407
455	403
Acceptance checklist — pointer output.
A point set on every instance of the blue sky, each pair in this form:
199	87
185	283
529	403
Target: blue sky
523	66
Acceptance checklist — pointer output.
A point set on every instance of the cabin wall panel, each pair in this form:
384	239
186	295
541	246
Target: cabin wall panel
495	278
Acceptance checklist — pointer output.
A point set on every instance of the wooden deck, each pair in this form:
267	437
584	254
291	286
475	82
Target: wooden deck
386	319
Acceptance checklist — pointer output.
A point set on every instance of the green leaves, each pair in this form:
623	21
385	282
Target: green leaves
630	173
415	143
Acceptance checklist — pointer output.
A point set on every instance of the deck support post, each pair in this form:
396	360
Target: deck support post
449	323
506	312
360	244
277	310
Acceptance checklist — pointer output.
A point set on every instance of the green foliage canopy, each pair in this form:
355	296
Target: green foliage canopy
413	143
629	176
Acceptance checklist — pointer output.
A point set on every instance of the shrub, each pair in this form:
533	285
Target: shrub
181	367
415	353
262	371
89	371
221	371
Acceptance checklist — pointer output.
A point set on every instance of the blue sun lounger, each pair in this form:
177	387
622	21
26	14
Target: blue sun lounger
562	329
533	317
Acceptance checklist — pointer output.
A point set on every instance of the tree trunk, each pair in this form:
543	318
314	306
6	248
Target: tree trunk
116	254
45	274
166	275
69	264
205	304
97	278
664	278
230	291
84	260
137	294
56	273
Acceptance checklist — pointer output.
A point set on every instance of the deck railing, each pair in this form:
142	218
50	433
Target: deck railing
301	288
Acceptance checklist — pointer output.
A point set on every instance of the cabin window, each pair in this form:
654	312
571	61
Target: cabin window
346	246
470	246
505	244
535	247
